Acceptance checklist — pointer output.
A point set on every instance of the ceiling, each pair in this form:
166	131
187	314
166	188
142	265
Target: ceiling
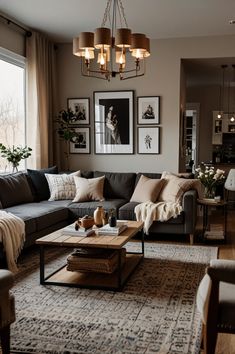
61	20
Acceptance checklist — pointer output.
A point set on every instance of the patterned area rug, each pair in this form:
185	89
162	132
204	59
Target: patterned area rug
155	312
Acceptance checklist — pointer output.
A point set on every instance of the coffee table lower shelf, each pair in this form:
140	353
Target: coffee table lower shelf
114	281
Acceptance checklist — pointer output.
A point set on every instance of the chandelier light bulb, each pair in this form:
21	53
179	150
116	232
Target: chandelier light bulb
232	119
219	115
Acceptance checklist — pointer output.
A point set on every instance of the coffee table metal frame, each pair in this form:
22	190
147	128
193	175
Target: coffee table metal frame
45	242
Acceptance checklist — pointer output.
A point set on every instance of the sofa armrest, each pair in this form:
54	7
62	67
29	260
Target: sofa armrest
222	270
6	280
189	204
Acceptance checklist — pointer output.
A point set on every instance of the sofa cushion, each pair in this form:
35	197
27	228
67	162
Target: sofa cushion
175	187
126	212
117	184
87	174
147	174
14	189
147	189
39	216
89	189
62	186
88	208
39	182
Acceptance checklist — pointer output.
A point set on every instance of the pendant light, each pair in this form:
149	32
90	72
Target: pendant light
221	96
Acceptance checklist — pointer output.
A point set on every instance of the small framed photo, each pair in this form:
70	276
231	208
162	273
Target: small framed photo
114	122
148	140
81	143
80	107
149	110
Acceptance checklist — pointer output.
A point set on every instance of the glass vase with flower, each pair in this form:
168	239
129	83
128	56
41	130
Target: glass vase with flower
210	178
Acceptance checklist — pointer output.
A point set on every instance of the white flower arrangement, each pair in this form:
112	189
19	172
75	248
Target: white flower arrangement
210	178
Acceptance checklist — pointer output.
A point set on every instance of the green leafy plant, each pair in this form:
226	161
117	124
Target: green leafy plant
65	131
15	154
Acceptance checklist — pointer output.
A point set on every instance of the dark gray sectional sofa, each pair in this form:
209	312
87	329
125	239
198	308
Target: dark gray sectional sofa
26	195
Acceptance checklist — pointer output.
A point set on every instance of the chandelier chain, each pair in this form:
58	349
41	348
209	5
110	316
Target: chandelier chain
123	12
106	13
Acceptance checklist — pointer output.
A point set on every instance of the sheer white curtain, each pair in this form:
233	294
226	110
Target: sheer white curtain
41	93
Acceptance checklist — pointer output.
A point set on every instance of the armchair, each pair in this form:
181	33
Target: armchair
7	309
216	302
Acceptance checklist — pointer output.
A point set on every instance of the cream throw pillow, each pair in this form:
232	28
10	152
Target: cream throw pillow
175	187
89	189
62	186
147	189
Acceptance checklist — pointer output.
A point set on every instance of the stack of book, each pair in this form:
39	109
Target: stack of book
216	232
81	232
112	230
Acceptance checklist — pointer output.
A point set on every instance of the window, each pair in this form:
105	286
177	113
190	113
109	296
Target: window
12	103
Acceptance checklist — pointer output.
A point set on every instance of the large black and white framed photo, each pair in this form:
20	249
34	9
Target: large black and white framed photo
80	144
113	122
80	107
149	110
148	140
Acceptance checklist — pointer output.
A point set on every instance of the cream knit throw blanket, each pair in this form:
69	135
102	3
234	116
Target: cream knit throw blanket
12	235
161	211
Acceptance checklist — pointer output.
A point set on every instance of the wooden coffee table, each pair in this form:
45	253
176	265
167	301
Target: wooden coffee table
114	281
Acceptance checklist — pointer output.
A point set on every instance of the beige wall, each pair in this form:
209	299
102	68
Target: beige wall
11	39
162	78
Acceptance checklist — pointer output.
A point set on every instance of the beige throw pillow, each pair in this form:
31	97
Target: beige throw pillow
175	187
62	186
89	189
147	189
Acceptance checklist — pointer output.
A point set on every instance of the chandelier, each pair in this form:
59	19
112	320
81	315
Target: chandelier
230	115
112	50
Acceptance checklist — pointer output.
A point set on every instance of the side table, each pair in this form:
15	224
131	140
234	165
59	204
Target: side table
215	231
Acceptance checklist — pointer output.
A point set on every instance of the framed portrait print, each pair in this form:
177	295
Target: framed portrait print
81	143
113	122
149	110
148	140
80	107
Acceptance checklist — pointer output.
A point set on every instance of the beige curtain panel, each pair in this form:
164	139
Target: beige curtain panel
41	93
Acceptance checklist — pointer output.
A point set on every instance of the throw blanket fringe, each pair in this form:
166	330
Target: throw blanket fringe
12	235
161	211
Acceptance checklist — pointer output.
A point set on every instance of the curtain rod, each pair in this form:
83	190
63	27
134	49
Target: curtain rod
27	32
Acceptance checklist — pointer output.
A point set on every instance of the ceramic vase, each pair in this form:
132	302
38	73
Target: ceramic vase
98	216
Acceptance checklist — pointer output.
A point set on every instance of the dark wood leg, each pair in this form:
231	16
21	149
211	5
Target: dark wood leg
5	339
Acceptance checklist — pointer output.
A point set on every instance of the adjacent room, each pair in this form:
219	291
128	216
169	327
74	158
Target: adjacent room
117	177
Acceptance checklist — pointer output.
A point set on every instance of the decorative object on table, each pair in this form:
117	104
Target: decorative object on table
80	143
148	140
114	122
85	222
116	230
148	110
65	130
98	216
80	107
112	50
15	154
112	218
210	178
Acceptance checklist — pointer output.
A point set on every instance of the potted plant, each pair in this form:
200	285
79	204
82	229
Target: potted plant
15	154
65	131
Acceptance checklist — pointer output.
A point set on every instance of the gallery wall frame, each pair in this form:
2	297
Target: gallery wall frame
148	110
148	140
113	123
80	144
81	108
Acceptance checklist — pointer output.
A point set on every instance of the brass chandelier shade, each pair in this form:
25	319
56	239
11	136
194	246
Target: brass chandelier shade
118	51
